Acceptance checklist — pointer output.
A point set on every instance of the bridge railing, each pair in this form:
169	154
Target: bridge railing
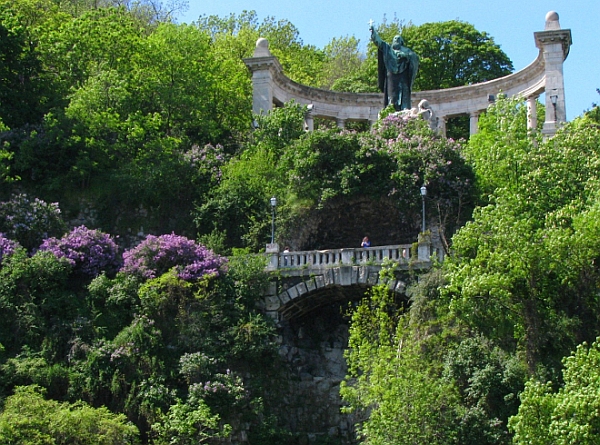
339	257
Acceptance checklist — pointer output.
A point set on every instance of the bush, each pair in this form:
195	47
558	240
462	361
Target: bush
28	418
158	254
7	246
30	221
90	252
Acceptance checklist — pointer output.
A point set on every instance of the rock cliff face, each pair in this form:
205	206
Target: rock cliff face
344	222
313	349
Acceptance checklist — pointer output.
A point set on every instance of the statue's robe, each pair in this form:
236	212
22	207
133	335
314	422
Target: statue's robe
397	70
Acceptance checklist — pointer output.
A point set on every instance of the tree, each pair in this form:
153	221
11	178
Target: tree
237	35
500	150
454	53
27	90
569	415
390	384
343	59
509	274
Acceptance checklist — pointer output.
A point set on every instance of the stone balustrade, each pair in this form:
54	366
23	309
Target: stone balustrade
372	256
339	257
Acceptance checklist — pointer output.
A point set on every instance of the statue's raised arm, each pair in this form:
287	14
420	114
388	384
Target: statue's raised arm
397	70
376	39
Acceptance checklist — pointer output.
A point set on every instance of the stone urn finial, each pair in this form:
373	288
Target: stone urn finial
552	22
262	48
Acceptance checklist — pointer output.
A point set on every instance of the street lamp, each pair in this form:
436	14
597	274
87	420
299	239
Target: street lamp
423	194
273	205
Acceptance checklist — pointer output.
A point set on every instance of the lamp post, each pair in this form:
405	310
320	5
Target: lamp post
273	205
423	194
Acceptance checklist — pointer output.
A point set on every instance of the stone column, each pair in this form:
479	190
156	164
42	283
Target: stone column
555	44
340	122
531	113
272	252
309	121
424	247
261	64
473	121
442	125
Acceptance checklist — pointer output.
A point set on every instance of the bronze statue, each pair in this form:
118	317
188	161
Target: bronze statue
397	69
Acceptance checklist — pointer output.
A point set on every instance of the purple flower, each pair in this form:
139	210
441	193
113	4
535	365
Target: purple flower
29	221
7	246
158	254
89	251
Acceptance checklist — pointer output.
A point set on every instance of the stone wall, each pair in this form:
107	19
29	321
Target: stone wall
312	348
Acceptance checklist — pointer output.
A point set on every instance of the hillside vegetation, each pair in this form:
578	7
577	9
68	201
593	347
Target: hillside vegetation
135	186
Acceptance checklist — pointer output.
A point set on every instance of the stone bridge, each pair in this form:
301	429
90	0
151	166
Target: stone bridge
304	281
307	297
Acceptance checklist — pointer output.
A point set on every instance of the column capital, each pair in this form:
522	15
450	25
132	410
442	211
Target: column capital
562	36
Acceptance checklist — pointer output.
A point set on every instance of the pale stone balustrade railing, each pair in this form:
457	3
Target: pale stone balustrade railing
341	257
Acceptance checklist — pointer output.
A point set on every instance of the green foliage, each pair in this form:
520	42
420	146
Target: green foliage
136	103
189	423
489	381
511	275
39	307
391	382
238	35
26	88
454	53
500	151
32	368
27	418
239	207
343	59
320	166
569	415
113	302
310	170
185	334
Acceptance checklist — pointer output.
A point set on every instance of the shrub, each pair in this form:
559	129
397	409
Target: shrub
7	246
89	251
30	221
158	254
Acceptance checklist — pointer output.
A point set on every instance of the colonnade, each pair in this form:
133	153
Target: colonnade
544	75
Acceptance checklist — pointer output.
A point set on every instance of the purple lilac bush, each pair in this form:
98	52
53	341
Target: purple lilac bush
207	159
30	221
7	246
158	254
89	251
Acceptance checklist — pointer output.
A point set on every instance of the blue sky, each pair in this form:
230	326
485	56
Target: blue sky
510	22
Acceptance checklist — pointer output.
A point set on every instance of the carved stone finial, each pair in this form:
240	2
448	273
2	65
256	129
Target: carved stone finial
552	22
262	48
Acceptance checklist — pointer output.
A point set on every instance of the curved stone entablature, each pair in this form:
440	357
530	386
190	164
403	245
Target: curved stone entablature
545	74
268	75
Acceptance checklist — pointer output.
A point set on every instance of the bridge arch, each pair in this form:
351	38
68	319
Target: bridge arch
298	296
